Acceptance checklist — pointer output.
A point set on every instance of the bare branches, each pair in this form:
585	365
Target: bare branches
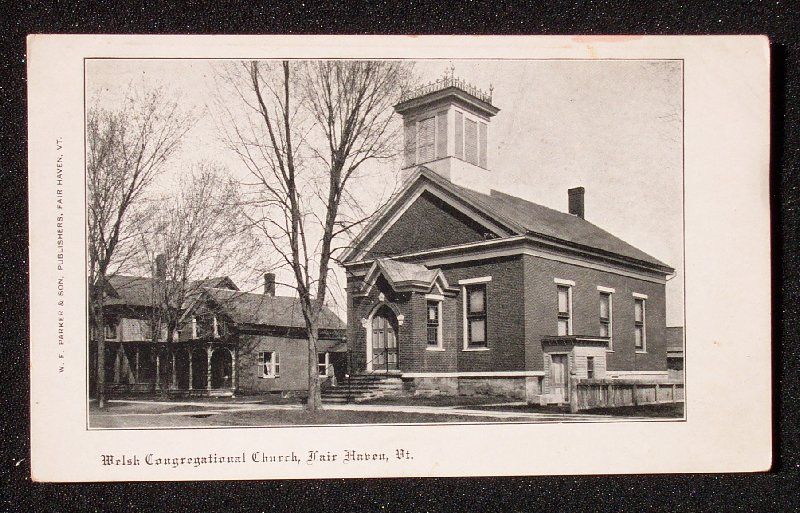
127	149
306	130
197	234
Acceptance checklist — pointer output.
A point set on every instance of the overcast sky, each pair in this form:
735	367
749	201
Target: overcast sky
613	127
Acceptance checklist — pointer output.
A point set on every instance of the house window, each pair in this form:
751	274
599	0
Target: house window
268	364
204	327
564	310
434	323
323	361
639	319
605	316
590	367
110	329
476	315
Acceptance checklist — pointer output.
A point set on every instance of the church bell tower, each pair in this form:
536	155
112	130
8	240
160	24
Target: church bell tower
446	129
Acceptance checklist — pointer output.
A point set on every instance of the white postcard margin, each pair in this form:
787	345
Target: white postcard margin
728	297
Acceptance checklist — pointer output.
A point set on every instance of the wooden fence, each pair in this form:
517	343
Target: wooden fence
610	393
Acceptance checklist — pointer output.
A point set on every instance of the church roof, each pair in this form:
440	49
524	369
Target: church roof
540	220
400	272
404	276
519	217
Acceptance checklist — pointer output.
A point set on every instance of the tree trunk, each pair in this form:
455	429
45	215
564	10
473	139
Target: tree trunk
314	401
100	327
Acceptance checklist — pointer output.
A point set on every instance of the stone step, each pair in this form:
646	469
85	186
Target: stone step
365	388
371	380
361	387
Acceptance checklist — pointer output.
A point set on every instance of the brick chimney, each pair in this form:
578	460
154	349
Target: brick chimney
576	201
269	284
161	266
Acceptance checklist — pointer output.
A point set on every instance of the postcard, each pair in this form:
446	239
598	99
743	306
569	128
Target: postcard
287	257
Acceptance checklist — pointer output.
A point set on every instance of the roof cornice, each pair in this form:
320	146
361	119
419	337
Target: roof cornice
532	244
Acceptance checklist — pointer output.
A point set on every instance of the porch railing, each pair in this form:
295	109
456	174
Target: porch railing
444	83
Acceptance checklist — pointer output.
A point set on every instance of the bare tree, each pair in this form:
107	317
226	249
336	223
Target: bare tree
194	235
312	127
127	148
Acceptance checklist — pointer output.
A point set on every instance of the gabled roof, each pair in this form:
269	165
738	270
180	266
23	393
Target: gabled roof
540	220
138	290
403	276
514	215
264	310
130	290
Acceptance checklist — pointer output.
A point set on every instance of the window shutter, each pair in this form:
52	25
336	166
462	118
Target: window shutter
411	143
427	133
441	134
471	141
482	145
260	372
276	364
459	135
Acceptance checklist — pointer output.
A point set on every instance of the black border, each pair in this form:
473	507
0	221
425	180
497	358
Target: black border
775	490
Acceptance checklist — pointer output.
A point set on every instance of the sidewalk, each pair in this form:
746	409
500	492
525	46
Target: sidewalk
460	410
181	408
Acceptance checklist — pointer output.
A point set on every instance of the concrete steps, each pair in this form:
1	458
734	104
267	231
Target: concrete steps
360	388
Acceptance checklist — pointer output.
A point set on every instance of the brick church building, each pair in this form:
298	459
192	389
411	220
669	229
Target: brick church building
457	288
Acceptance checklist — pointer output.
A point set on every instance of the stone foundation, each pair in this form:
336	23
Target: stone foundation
432	386
510	388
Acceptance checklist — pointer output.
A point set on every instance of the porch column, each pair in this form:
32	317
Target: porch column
208	368
158	368
190	369
233	369
174	372
136	361
117	363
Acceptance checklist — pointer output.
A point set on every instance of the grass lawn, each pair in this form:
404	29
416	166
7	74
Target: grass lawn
674	410
656	411
211	401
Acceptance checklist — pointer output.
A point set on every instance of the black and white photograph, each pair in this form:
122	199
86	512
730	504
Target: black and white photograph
291	242
294	257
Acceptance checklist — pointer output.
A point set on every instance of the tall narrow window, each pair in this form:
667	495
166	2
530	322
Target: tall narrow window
434	323
411	143
323	362
476	315
471	141
459	135
564	310
605	316
268	364
441	134
482	145
111	329
426	139
639	324
590	367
